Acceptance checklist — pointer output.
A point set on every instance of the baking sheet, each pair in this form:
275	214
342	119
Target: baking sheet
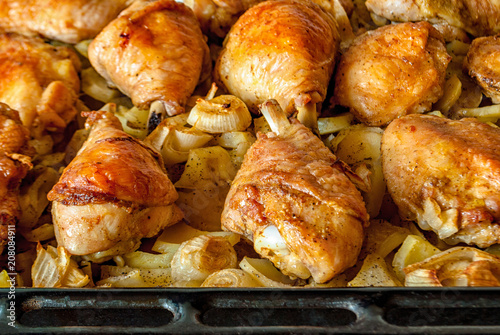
253	311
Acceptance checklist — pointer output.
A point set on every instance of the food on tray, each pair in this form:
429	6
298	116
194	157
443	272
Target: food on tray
458	266
217	17
69	21
483	63
200	256
155	53
40	81
283	50
215	196
445	175
174	140
15	161
381	240
359	146
375	271
414	249
222	114
265	273
392	71
54	267
230	278
204	184
295	201
114	191
476	17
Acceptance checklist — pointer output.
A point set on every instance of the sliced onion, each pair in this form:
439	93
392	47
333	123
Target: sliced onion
220	114
45	272
230	278
264	272
200	256
174	141
185	139
55	268
96	86
120	248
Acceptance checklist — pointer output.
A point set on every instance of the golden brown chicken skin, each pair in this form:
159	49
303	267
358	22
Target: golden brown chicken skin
292	198
153	52
392	71
115	189
15	161
39	80
483	65
280	49
69	21
445	174
477	17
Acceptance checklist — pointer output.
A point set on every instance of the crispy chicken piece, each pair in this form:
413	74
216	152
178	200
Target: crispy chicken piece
445	174
39	80
483	65
283	50
392	71
69	21
155	53
116	189
15	161
477	17
293	199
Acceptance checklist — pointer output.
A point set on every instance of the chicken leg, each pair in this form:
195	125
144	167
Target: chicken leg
293	199
116	189
283	50
155	53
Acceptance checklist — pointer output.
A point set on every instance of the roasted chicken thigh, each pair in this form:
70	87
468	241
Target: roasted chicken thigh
39	80
483	65
283	50
15	161
445	174
115	190
69	21
477	17
392	71
155	53
293	199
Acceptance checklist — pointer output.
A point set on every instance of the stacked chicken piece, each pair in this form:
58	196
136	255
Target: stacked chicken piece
299	205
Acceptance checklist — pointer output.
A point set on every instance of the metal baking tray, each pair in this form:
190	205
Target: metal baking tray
252	311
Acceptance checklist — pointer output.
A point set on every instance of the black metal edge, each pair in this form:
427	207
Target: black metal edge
370	306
